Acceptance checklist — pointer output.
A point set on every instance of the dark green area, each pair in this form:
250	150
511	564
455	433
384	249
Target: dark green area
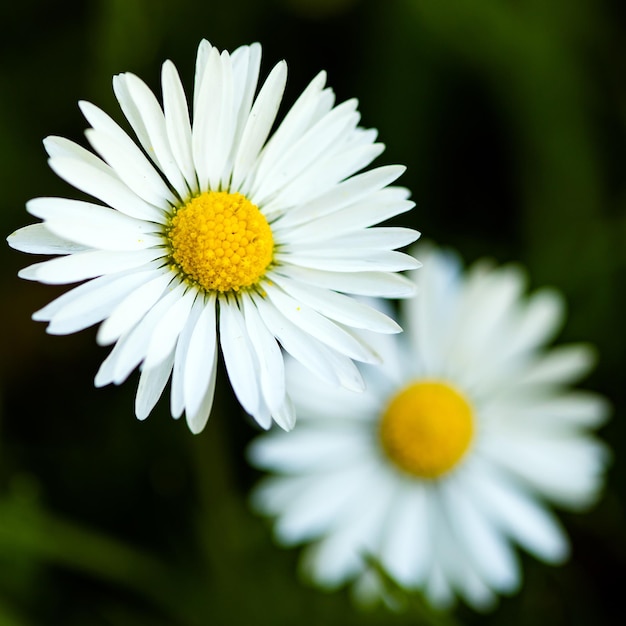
511	117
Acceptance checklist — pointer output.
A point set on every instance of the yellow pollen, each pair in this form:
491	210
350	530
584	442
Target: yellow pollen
220	241
427	428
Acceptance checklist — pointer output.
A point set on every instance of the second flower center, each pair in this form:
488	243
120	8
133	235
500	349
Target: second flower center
427	428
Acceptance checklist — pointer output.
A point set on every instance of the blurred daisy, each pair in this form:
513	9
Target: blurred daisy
209	232
447	459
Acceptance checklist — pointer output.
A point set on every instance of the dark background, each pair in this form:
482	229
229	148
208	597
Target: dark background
511	118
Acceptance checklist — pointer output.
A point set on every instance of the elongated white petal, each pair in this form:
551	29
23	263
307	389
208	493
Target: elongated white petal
269	357
83	265
375	284
238	357
206	115
94	226
343	260
321	328
177	399
106	186
348	192
152	382
94	306
338	307
322	361
167	330
178	125
200	366
37	239
134	344
130	310
132	168
145	115
306	150
259	122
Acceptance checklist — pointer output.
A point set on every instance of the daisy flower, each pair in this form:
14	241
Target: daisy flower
213	231
453	452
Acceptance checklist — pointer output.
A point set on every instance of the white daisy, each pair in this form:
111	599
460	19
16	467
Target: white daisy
449	456
209	224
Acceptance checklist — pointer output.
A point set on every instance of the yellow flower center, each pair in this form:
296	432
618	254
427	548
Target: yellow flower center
220	241
427	428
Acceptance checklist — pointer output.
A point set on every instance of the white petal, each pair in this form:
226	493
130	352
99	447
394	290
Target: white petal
342	260
320	176
83	265
321	327
562	365
178	125
375	284
259	122
317	358
199	367
305	151
269	357
166	332
296	121
132	168
338	307
380	206
131	347
367	239
522	517
128	312
483	542
238	357
342	195
93	225
94	306
406	551
145	115
37	239
206	114
107	187
65	148
151	385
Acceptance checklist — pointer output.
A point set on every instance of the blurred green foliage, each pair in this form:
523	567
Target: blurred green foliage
511	116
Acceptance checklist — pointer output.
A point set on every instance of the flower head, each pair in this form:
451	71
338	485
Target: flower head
213	231
452	453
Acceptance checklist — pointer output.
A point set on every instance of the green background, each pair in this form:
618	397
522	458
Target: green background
511	118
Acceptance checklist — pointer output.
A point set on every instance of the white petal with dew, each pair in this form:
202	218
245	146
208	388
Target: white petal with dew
338	307
321	327
315	356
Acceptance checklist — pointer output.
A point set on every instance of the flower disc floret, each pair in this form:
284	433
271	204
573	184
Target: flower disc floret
427	428
221	241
